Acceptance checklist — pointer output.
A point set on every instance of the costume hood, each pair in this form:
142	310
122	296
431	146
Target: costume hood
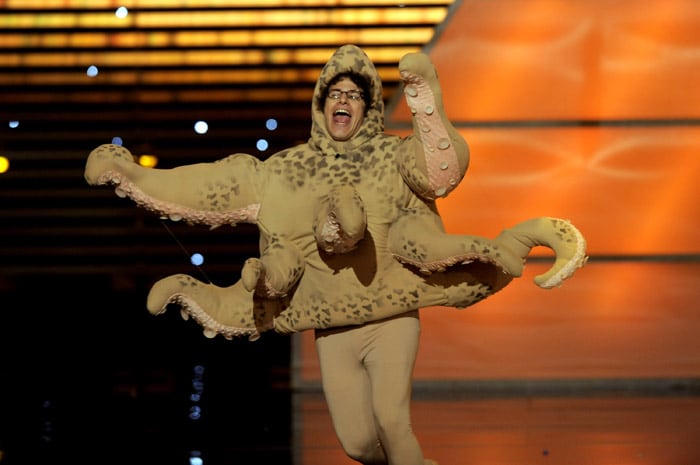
348	58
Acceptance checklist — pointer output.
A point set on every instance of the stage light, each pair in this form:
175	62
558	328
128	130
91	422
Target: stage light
148	161
262	145
201	127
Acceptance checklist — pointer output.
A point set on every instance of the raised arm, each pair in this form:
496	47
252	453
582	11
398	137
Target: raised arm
222	192
434	159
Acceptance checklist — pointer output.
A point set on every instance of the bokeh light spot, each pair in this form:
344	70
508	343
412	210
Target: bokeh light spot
148	161
201	127
197	259
262	145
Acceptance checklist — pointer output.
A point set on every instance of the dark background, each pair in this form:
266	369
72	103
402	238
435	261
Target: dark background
99	380
88	376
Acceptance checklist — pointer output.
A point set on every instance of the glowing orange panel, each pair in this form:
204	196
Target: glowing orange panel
553	60
629	185
612	320
631	191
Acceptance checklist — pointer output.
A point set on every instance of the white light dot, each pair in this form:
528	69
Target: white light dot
201	127
13	124
197	259
121	12
271	124
92	71
261	145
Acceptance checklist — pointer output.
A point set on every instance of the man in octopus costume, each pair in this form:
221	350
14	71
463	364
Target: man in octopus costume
350	235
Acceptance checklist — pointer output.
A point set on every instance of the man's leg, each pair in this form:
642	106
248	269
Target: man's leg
390	360
347	391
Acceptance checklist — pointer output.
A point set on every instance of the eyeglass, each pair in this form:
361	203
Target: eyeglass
354	95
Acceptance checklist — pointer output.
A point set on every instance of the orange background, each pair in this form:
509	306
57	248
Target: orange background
587	111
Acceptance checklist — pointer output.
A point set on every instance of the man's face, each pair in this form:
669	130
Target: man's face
344	114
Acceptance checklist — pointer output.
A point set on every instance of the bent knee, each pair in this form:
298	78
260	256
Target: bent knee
362	451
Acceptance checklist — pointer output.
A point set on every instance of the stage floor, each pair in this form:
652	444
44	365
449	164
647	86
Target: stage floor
525	430
238	420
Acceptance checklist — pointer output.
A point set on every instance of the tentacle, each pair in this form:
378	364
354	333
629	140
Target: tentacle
466	284
254	279
435	158
277	271
341	222
230	311
223	192
418	239
561	236
107	162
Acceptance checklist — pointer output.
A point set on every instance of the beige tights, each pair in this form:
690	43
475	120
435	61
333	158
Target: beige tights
367	372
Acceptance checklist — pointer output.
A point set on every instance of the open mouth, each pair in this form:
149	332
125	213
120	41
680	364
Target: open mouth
341	116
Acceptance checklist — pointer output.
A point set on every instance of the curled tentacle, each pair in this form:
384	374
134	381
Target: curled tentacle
253	277
341	222
277	271
435	158
433	250
229	311
561	236
107	163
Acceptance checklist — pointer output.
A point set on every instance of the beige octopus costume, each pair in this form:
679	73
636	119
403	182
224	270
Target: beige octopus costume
349	231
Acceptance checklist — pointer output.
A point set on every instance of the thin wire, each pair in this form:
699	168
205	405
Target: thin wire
184	250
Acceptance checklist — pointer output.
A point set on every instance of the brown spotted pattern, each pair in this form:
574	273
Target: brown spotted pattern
349	231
